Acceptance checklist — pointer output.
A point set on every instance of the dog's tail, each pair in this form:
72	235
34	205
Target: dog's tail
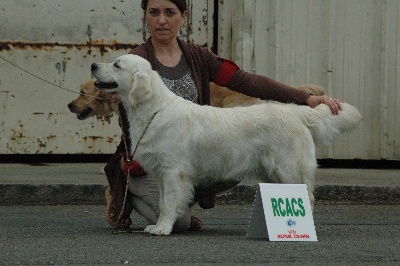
325	126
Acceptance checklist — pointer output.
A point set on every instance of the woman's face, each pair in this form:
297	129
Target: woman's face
164	20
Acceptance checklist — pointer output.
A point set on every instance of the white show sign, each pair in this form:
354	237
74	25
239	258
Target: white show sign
282	212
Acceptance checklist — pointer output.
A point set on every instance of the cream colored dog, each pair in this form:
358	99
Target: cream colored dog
184	145
88	104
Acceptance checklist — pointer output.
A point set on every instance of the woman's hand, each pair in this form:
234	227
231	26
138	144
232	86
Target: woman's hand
334	104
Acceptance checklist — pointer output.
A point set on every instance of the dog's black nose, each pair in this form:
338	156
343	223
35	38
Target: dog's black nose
93	67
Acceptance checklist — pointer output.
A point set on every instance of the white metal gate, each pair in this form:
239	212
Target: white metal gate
58	40
351	47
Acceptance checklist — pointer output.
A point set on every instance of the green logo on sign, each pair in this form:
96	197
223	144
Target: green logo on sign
288	207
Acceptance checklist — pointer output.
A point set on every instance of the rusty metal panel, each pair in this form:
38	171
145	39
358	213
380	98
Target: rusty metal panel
349	47
58	41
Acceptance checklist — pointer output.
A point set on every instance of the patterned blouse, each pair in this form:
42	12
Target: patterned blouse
179	80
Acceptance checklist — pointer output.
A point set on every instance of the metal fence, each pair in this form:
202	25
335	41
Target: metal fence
351	47
58	40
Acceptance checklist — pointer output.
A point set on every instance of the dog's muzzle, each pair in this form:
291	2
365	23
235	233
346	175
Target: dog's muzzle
105	86
85	114
80	115
102	85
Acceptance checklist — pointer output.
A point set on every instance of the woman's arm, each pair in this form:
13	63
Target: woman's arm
262	87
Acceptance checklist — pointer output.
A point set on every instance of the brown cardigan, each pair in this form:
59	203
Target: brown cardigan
204	66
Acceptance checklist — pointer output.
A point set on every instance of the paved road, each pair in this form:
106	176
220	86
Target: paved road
84	183
61	234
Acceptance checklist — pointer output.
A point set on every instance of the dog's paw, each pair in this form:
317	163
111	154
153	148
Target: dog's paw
158	230
149	228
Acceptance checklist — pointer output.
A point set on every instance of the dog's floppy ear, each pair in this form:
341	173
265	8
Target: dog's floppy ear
141	88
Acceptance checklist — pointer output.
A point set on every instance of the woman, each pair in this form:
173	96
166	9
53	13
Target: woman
187	70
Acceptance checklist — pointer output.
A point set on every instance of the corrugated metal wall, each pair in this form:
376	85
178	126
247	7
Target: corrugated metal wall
351	47
58	40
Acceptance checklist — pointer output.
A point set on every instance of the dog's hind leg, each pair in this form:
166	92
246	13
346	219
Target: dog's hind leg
308	177
307	166
300	172
175	196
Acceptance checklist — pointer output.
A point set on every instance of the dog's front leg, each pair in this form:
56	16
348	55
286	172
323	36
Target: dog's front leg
150	227
175	194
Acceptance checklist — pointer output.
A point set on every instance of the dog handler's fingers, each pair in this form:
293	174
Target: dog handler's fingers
336	103
313	101
333	105
339	103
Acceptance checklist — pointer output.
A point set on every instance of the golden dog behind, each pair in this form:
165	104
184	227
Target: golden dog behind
223	97
86	107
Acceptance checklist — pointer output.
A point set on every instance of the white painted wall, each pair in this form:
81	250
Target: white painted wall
58	40
351	47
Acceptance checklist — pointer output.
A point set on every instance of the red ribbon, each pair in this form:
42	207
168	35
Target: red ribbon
135	169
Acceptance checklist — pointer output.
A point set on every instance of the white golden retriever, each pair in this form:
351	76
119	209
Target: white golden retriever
187	145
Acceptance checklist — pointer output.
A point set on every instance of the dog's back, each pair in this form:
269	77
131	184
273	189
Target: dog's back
254	139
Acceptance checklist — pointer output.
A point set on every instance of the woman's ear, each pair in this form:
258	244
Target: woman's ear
141	88
184	15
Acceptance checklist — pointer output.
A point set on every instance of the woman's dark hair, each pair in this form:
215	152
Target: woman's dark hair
181	4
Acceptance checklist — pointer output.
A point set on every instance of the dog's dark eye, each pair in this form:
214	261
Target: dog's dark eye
116	65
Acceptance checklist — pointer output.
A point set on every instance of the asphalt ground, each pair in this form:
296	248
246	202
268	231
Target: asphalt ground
54	214
84	183
351	234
